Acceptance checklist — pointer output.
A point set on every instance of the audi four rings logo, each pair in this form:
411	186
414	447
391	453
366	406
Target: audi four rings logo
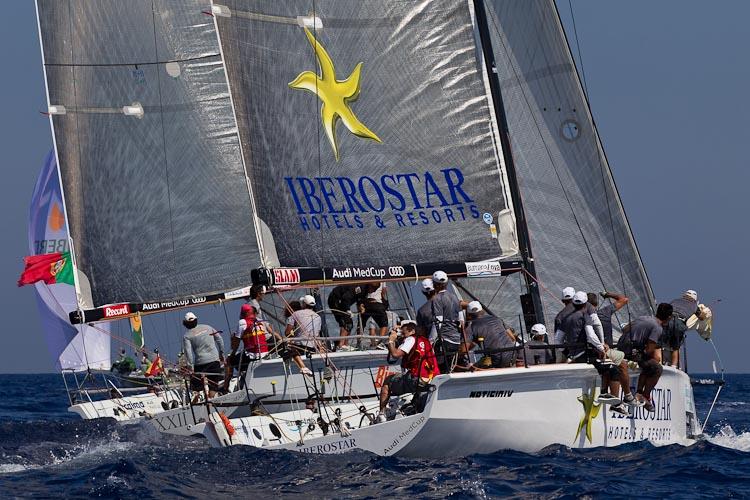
397	271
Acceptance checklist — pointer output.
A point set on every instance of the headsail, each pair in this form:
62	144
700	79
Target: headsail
73	347
578	229
155	191
368	131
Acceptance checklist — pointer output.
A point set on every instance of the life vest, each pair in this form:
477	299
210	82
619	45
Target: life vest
254	338
421	361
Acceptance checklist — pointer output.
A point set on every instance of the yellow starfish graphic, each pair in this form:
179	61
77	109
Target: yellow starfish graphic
336	95
591	411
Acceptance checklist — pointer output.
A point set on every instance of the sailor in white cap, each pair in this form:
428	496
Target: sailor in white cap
492	336
674	332
567	299
535	353
445	310
302	326
576	327
204	350
425	318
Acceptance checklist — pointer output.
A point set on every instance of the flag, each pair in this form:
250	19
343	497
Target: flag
155	368
49	267
137	328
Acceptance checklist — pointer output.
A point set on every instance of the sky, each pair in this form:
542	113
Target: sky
667	82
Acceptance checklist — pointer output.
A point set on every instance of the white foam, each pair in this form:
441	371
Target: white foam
727	438
8	468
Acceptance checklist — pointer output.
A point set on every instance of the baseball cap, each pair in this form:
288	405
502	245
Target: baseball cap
580	298
539	329
692	294
474	307
307	300
427	285
190	316
568	292
409	322
439	277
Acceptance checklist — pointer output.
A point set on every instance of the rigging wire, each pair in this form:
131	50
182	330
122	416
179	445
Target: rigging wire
602	163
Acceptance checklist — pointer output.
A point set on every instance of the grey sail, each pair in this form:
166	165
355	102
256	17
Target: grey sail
368	131
155	190
579	233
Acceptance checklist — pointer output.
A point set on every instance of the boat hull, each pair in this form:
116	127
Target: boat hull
127	408
523	409
283	388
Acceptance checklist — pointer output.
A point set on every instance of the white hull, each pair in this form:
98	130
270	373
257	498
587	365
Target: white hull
284	388
127	408
524	409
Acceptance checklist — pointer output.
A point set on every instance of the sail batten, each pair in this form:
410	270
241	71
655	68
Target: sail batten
155	189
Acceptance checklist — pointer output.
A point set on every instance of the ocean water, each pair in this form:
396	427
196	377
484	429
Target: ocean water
46	452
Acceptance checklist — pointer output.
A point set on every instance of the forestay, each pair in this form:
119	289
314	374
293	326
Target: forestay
155	190
72	347
578	229
368	132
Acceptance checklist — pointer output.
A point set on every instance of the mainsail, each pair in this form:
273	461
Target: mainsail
72	347
577	226
368	132
154	187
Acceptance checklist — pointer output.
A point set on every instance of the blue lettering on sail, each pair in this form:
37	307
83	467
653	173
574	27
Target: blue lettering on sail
394	200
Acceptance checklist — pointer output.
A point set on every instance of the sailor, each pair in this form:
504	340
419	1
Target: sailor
249	343
536	353
605	312
674	332
257	293
373	305
418	364
204	348
302	327
575	326
491	335
640	341
340	301
446	314
425	318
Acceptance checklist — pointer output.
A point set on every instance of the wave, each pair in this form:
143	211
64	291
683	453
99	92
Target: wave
728	438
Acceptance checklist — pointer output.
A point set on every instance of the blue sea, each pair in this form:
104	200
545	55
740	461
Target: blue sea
46	452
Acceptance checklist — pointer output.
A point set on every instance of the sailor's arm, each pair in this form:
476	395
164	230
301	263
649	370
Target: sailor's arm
593	338
219	341
597	324
188	350
619	300
392	349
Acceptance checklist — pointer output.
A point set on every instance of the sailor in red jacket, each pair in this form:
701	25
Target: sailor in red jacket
417	362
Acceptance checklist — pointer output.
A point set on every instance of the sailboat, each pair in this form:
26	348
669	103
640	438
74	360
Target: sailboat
82	352
326	142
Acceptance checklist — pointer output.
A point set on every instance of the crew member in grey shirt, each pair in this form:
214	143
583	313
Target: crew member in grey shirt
606	311
446	309
640	342
675	330
425	318
204	350
491	334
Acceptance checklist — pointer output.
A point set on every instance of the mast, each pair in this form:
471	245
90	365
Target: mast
521	226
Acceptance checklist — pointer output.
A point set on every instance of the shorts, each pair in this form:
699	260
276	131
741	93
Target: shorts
291	350
376	311
344	320
212	371
606	368
401	383
241	360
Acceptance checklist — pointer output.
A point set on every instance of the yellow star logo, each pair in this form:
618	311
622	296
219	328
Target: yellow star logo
590	412
336	95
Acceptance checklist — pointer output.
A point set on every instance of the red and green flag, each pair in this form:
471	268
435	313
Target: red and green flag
49	267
